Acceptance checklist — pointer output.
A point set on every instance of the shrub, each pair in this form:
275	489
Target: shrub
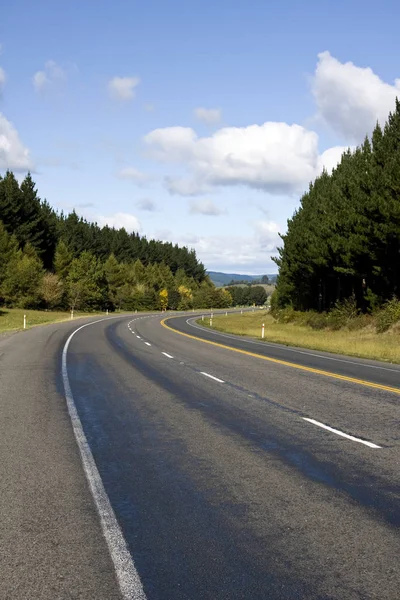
373	301
359	322
317	320
274	303
285	315
388	315
343	313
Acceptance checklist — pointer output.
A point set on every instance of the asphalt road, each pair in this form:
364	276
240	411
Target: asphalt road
220	486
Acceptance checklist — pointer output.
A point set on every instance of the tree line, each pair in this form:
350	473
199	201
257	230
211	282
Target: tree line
247	295
50	260
344	240
263	280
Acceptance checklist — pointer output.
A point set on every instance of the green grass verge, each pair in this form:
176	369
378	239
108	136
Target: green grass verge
363	343
12	319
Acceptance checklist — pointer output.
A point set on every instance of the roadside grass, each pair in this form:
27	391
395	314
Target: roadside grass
363	343
12	319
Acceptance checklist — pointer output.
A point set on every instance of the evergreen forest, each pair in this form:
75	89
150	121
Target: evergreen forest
344	240
50	260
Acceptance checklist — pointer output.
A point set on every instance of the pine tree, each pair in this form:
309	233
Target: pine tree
8	254
23	275
31	226
51	290
62	260
10	203
115	277
85	283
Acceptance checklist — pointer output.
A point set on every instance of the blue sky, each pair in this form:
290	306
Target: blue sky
198	123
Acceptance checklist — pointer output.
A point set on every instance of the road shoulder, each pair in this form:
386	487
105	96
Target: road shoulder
52	544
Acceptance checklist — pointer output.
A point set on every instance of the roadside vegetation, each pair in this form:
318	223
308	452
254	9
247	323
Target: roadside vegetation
344	330
53	261
12	319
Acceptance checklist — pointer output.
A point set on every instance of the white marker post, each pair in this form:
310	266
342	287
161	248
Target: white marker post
211	321
262	330
72	314
226	314
24	321
202	317
241	311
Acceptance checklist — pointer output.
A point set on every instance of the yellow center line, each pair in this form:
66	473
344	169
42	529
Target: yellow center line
277	361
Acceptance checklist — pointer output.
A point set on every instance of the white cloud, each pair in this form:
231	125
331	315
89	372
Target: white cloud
13	154
39	80
171	144
133	175
267	235
210	116
51	76
205	207
54	70
351	99
236	253
331	157
185	186
233	252
2	78
119	220
123	88
275	157
147	204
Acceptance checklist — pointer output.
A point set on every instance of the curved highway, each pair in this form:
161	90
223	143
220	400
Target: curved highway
212	468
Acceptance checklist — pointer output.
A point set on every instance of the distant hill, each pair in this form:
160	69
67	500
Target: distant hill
221	279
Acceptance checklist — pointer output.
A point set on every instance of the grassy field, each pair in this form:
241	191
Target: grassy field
13	318
365	343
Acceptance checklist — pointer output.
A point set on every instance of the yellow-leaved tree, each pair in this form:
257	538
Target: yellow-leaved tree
164	299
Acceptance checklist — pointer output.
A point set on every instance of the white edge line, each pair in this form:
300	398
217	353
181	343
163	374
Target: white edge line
338	432
127	575
147	343
167	355
212	377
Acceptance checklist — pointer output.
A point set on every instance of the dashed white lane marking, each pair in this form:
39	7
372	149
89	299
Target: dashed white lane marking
167	355
345	435
127	576
212	377
138	337
147	344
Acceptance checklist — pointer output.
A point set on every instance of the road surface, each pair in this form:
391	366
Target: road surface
218	474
